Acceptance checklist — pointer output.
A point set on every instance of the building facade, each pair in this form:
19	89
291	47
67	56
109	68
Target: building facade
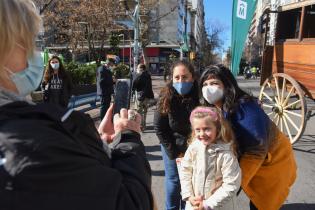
179	30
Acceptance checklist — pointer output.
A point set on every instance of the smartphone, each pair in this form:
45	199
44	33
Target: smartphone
121	95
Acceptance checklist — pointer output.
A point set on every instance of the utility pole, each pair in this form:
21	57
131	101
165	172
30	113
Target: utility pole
184	35
136	34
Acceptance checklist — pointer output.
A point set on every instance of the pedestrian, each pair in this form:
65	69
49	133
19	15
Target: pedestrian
105	84
265	153
171	122
254	72
209	172
52	158
142	84
57	83
166	73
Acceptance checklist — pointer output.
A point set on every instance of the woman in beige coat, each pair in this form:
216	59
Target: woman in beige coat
209	172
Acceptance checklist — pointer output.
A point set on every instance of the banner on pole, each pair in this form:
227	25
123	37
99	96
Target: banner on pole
243	11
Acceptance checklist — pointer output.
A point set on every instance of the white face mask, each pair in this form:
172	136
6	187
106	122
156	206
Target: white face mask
212	93
55	66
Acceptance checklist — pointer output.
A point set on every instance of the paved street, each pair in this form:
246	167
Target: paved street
302	196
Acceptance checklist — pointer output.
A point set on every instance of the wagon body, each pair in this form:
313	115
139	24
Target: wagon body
288	68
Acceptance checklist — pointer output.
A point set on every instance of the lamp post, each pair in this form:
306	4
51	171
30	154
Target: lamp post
88	37
123	48
129	4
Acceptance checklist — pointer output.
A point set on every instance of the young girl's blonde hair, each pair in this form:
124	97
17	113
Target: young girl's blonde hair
213	115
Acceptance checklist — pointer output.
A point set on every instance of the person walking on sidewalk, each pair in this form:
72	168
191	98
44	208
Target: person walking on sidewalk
209	172
172	126
265	154
105	85
142	84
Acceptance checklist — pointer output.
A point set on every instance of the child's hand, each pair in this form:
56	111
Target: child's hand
200	205
195	201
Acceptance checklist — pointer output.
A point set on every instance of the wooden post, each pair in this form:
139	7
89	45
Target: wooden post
302	24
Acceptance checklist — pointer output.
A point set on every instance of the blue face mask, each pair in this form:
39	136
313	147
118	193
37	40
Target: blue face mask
30	78
182	88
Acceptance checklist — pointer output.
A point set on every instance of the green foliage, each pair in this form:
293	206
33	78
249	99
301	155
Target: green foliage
114	41
172	57
81	73
121	71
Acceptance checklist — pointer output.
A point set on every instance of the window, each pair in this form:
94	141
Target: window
289	24
309	26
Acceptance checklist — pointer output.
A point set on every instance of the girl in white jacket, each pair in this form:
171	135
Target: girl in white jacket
209	172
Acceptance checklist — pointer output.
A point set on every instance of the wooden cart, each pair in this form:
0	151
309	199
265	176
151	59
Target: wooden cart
288	69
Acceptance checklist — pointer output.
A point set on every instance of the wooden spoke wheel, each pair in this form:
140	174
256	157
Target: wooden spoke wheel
283	101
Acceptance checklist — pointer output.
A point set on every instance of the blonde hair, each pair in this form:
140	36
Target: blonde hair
19	23
211	114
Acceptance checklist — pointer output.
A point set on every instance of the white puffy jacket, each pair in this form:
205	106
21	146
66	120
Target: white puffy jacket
211	171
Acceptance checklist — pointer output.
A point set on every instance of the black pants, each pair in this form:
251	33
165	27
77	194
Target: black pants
105	103
252	206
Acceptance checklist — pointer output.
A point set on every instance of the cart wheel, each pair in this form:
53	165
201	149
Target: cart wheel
283	100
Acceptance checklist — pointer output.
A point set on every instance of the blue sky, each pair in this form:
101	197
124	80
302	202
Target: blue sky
221	11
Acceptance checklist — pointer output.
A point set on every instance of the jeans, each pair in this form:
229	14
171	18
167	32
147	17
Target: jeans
173	199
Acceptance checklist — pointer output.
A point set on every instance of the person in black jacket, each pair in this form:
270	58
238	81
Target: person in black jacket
142	84
52	158
172	126
57	83
106	85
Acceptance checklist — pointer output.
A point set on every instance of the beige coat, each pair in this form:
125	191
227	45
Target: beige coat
211	171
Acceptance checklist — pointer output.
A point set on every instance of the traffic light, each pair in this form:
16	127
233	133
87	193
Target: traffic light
192	55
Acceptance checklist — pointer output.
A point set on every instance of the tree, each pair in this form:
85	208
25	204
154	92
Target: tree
227	58
81	25
87	25
213	42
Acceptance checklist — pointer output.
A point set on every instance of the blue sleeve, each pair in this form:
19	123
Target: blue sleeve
251	125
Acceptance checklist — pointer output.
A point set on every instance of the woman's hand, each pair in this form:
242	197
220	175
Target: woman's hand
108	128
127	120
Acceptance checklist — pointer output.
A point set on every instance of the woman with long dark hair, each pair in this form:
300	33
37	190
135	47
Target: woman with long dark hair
265	154
171	120
57	84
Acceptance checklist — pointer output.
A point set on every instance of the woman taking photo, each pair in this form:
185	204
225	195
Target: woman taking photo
57	83
172	126
265	154
50	159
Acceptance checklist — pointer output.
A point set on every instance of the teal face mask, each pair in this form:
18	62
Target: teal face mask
30	78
